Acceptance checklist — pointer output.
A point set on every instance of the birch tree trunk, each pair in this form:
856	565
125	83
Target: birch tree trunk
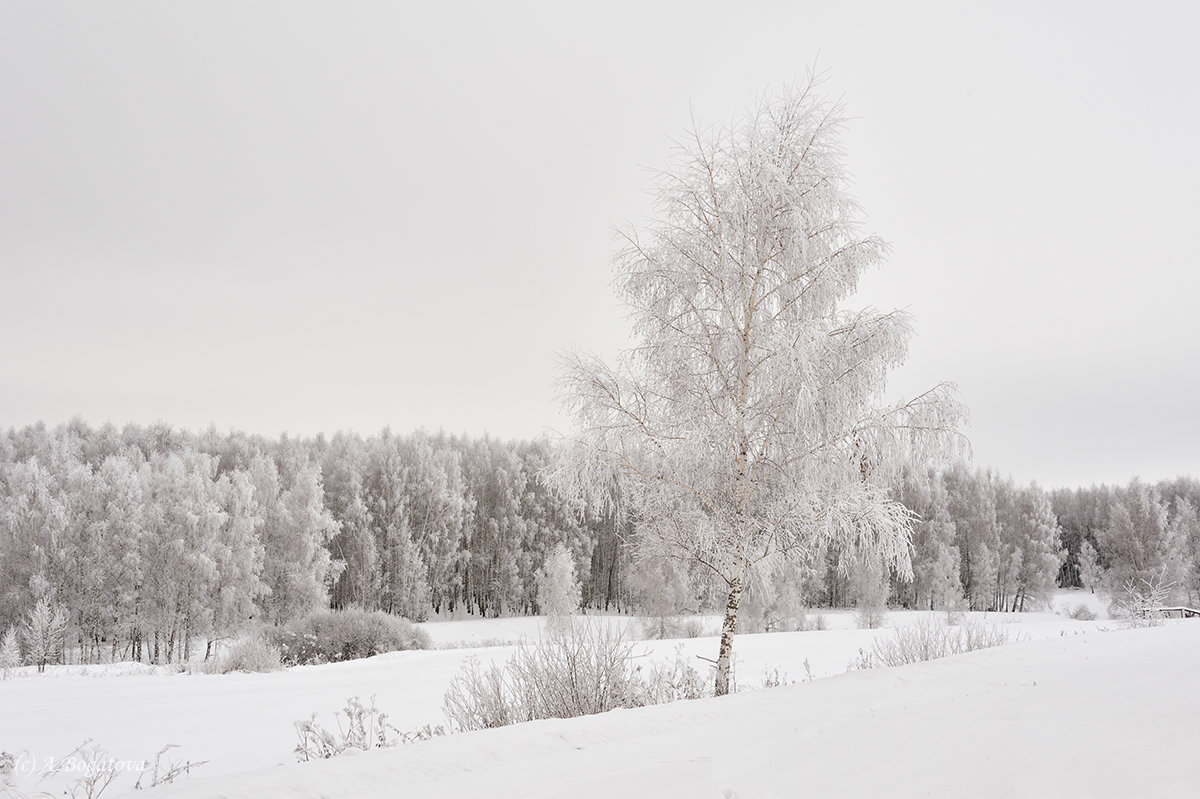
725	653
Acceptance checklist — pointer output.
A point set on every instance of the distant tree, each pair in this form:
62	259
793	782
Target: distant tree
935	559
749	422
355	546
775	601
1031	548
972	498
1185	532
1139	545
10	652
45	633
238	553
123	569
300	574
435	508
868	583
558	592
1090	570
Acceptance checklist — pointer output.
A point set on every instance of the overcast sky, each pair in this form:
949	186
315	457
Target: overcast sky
311	217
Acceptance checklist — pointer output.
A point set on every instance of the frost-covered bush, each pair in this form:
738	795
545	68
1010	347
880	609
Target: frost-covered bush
693	627
166	773
329	636
251	654
1081	612
576	670
662	628
930	640
660	683
363	727
1139	602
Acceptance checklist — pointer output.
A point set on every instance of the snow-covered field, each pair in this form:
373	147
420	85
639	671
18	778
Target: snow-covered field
1073	709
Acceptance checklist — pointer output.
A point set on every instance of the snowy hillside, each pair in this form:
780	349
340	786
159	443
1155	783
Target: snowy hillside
244	722
1098	714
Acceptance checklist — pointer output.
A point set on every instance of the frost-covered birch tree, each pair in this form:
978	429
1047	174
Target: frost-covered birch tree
749	420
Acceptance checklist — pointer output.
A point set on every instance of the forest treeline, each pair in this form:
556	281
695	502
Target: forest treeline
155	541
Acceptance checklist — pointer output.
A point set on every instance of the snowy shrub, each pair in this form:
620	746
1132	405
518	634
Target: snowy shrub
483	698
659	683
364	727
165	773
251	654
1081	612
661	628
863	660
1140	602
930	640
693	627
329	636
774	678
576	670
870	616
8	772
92	769
477	643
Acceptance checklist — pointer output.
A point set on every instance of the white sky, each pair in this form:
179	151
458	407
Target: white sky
311	217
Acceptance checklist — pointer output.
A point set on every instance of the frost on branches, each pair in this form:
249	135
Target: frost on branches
749	421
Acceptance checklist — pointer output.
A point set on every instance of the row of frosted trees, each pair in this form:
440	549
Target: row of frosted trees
1132	535
979	542
156	542
152	551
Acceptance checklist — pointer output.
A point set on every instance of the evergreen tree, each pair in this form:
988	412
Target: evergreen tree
44	634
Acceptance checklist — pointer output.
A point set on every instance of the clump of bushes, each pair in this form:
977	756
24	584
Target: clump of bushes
930	640
330	636
364	727
252	654
667	627
576	670
1082	612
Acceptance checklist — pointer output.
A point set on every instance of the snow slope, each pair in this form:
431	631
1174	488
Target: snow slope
1092	715
244	722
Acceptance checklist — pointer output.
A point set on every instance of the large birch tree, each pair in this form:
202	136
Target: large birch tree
748	422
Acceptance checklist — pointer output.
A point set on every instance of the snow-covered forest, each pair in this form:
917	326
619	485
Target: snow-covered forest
154	542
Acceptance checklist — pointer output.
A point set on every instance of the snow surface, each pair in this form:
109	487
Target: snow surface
1071	710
